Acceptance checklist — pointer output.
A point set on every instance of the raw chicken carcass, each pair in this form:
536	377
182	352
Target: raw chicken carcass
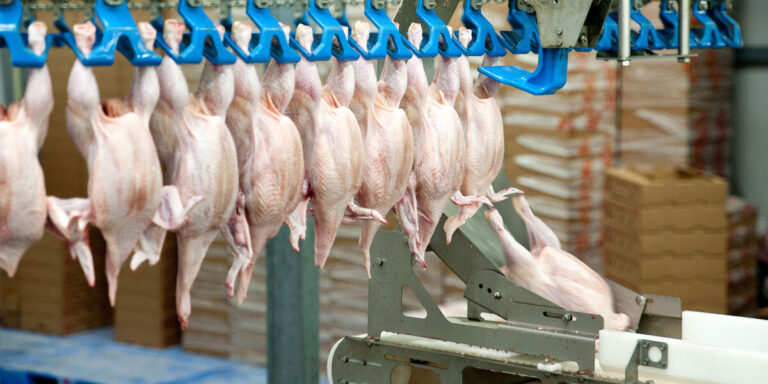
269	151
125	180
552	273
438	152
202	165
333	146
23	127
483	134
387	135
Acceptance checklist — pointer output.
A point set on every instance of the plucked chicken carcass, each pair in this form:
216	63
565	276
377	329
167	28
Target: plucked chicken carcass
438	151
269	151
125	181
333	146
202	165
387	136
483	134
23	127
552	273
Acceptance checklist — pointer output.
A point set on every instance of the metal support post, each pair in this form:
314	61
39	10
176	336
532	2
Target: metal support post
684	31
624	33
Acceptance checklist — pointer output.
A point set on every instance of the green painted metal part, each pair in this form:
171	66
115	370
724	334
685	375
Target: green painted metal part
292	310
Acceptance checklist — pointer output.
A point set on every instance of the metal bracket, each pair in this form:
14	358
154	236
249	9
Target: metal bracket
647	353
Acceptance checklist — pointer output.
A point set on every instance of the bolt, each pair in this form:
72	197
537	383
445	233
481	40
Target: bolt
567	317
662	347
559	42
379	262
583	39
559	31
640	300
497	295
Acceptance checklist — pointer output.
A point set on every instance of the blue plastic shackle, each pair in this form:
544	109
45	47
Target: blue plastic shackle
119	32
485	40
524	36
322	46
203	40
709	36
431	45
550	75
261	47
378	42
729	28
21	54
647	37
671	30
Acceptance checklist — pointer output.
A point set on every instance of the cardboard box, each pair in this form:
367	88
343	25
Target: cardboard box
662	244
630	217
676	268
661	185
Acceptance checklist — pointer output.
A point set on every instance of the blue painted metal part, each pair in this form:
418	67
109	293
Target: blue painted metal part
485	40
729	28
708	36
431	45
261	47
648	37
343	19
524	36
202	41
323	44
119	33
378	42
550	75
16	42
671	30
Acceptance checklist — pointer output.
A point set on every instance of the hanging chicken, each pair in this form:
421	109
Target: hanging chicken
23	127
125	181
439	153
269	151
480	116
387	136
202	165
552	273
333	146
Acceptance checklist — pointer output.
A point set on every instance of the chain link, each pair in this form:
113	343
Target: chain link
66	5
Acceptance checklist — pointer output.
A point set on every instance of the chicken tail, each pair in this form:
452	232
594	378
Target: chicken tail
192	251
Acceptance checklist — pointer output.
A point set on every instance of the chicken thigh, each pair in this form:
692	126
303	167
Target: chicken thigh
203	165
23	127
269	151
552	273
480	116
387	136
438	153
333	146
125	180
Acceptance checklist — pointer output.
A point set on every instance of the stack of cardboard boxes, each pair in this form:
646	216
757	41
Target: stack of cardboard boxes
49	292
145	311
666	233
559	146
742	257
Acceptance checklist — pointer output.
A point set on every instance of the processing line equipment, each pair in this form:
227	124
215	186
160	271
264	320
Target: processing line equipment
535	339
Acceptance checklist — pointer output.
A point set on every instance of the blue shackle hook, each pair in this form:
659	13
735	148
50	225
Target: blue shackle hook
709	36
485	40
432	45
671	30
16	42
261	47
729	28
379	42
647	37
323	44
202	41
550	75
524	36
119	32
